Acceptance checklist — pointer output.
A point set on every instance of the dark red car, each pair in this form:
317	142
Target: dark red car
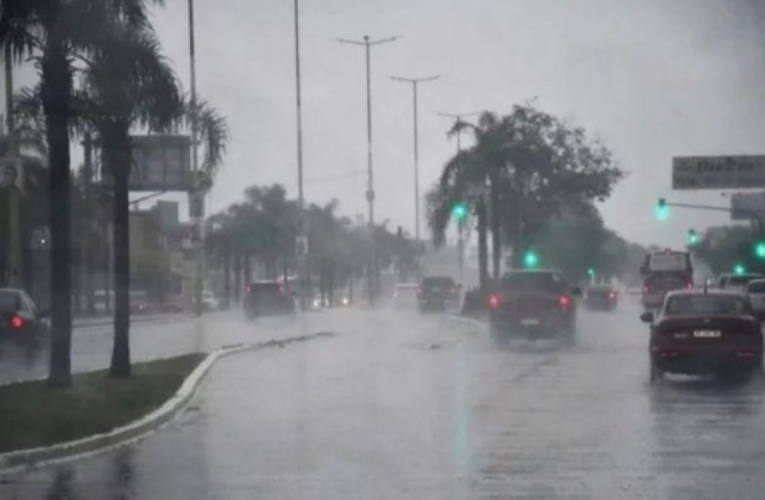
537	303
704	332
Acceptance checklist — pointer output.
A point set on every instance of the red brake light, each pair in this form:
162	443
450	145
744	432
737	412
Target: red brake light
564	300
612	295
494	301
689	285
646	289
17	322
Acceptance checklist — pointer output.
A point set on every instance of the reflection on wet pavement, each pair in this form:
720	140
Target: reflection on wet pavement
406	406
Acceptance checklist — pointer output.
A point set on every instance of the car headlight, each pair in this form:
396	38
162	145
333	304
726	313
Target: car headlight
345	301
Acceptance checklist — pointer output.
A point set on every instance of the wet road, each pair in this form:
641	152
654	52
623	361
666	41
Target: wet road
400	406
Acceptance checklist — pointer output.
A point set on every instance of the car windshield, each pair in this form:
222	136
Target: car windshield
9	301
534	282
706	304
441	283
742	280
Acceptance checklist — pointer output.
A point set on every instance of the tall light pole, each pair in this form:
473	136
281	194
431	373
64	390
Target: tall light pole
458	117
367	43
415	82
302	246
196	197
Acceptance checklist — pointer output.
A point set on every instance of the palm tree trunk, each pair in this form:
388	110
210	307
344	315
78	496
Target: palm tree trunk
56	97
247	270
483	271
237	277
120	366
496	237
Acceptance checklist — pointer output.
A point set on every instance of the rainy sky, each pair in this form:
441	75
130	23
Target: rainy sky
651	78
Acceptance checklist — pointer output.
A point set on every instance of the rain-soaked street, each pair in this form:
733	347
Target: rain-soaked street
405	406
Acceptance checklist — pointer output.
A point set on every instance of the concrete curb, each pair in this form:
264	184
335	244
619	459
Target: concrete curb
16	461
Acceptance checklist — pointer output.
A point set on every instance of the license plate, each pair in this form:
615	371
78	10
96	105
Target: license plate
530	322
707	334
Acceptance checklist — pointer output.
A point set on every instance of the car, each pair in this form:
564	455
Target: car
405	296
698	332
437	293
657	285
601	297
755	292
267	298
533	303
736	282
20	319
209	301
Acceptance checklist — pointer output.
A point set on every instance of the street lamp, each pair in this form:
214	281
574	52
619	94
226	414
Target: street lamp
302	240
415	82
367	44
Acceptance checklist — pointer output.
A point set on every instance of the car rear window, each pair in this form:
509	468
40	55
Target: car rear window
438	283
534	282
707	304
665	280
741	280
265	289
756	286
9	301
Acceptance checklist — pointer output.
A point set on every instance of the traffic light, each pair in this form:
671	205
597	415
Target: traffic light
759	249
459	211
662	210
693	238
530	259
590	271
739	269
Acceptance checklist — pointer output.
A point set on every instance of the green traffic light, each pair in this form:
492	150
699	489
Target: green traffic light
662	210
530	259
759	250
591	272
693	237
739	269
459	211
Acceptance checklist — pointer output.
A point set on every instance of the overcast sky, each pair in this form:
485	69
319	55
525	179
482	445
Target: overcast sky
652	78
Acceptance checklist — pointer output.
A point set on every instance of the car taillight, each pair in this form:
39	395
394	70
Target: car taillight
564	300
17	322
646	289
689	285
612	295
495	301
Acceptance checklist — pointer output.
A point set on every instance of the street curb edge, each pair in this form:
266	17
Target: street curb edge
16	461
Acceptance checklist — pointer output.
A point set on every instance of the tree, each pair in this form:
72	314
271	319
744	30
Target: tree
56	33
127	84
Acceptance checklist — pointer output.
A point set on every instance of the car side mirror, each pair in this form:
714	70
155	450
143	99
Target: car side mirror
647	317
576	291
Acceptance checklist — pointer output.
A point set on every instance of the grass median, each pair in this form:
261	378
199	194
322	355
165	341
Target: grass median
32	414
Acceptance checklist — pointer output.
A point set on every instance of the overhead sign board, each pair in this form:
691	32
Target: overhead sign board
718	172
742	204
160	163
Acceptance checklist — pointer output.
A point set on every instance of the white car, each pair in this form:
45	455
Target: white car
210	302
755	291
405	296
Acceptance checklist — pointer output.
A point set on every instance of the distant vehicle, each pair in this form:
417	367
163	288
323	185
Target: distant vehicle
736	282
19	317
701	332
664	271
755	292
140	302
536	303
209	301
437	293
267	298
601	297
405	296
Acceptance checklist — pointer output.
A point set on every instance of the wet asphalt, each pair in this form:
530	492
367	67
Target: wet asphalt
403	406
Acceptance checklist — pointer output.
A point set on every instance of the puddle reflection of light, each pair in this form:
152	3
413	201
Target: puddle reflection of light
461	424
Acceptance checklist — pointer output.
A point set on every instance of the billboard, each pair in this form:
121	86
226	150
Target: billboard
160	163
718	172
751	202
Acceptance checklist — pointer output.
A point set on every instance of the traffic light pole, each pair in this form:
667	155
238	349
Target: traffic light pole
751	213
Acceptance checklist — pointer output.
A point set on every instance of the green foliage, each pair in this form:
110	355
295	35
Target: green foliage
724	247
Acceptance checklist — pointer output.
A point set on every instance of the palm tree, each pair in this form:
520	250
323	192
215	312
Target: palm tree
57	33
127	84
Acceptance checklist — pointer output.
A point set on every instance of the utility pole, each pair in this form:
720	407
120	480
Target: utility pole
302	243
196	196
372	280
458	117
415	82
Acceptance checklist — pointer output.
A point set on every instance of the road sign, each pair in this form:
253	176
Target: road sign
748	202
718	172
160	163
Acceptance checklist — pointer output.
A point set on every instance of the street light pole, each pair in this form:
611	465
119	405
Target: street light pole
303	250
370	195
415	82
195	197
